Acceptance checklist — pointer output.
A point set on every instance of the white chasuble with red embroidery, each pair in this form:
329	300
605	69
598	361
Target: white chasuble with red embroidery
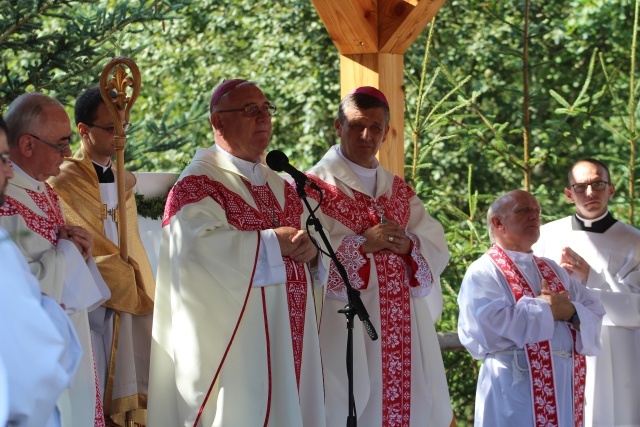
540	354
399	379
32	216
224	351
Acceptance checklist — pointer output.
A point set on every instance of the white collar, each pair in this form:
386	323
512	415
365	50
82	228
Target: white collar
38	184
250	170
589	222
359	170
518	257
104	168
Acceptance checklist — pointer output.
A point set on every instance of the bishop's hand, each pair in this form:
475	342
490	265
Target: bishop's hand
296	244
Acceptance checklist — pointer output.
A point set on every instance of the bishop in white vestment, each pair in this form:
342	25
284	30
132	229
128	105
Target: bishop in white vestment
235	338
394	253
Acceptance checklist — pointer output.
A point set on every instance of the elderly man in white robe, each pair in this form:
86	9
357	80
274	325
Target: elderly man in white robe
604	254
530	322
59	255
39	349
235	338
394	253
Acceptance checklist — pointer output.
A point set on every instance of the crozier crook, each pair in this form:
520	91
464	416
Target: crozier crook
119	83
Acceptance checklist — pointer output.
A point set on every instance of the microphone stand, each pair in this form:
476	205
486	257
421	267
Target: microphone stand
354	306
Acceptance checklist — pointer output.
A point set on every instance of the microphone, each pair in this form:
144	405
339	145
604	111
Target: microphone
279	162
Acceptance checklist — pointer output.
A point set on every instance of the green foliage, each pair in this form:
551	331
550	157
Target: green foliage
54	45
280	45
520	118
152	207
484	115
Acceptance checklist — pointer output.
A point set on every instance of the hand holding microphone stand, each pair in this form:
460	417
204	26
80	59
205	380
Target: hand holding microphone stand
278	161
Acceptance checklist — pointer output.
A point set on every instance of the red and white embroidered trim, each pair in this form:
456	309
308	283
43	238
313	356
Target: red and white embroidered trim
397	278
46	224
539	355
243	216
99	420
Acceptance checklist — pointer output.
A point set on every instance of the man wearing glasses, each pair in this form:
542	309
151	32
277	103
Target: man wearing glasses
235	338
121	327
604	254
59	254
38	346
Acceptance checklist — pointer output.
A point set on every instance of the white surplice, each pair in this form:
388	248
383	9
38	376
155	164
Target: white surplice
220	311
406	325
38	345
494	328
63	274
613	377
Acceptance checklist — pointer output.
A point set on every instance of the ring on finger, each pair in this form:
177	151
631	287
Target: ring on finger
390	239
578	263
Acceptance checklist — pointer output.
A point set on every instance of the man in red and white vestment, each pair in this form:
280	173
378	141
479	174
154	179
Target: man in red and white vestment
530	322
59	255
39	349
394	253
235	339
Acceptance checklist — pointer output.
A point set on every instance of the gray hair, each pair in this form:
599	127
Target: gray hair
497	208
25	113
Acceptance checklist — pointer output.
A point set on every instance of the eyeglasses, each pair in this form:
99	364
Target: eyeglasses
61	148
253	110
595	186
4	158
111	129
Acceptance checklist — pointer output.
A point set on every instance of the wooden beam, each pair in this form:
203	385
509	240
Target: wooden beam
352	24
385	72
400	22
369	26
372	37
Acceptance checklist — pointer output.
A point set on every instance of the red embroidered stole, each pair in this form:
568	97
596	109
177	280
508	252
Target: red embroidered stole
46	225
359	214
243	216
540	354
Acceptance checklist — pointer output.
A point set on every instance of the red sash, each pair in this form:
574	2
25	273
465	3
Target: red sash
543	390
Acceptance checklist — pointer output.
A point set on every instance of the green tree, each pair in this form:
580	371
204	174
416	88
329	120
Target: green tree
54	45
508	95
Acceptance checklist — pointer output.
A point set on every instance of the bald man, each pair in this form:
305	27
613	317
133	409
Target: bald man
529	321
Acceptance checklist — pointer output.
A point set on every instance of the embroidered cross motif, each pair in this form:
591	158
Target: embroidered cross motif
113	213
359	213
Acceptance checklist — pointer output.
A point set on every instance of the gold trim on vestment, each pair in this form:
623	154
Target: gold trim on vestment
113	213
131	283
79	191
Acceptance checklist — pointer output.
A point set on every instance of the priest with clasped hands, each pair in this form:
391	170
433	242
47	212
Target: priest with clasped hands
235	338
530	321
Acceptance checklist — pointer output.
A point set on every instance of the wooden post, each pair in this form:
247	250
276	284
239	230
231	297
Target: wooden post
383	71
372	37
